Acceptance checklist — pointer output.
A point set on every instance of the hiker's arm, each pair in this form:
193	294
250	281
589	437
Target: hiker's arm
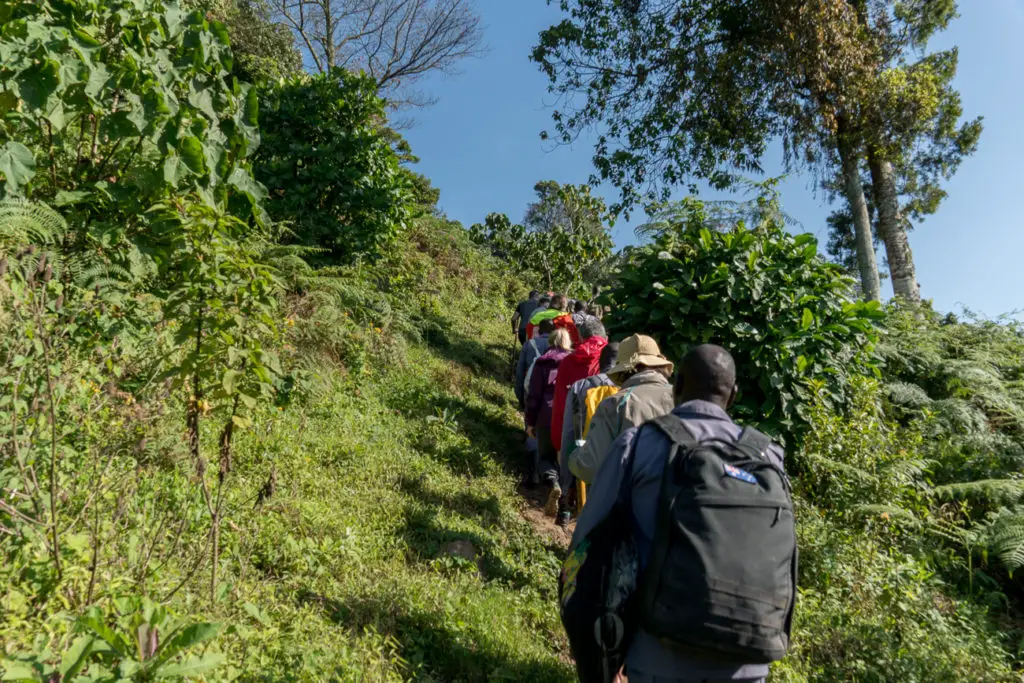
568	433
521	378
601	494
585	460
516	317
534	395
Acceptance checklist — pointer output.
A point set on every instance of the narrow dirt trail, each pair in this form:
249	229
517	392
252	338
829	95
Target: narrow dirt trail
534	498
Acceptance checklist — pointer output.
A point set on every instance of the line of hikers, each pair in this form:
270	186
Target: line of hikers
682	565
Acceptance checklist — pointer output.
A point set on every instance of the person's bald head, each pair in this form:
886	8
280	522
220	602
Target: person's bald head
707	373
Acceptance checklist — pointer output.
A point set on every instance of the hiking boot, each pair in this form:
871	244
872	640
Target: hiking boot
554	495
563	519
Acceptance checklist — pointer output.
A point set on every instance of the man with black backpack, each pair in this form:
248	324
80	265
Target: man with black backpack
705	508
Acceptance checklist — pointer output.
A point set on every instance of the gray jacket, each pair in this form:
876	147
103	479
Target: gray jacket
644	396
572	422
532	350
648	657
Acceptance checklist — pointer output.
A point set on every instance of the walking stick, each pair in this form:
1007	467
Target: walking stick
581	496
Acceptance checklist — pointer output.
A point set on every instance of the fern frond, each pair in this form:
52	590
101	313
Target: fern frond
1004	536
1000	491
23	222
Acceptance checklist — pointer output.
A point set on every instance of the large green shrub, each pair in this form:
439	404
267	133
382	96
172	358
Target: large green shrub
785	314
107	108
328	158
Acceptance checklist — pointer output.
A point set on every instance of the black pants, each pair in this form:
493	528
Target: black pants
546	460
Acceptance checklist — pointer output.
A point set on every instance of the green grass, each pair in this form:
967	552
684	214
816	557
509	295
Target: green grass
340	575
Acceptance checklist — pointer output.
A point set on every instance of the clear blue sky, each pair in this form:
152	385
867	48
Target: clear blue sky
480	145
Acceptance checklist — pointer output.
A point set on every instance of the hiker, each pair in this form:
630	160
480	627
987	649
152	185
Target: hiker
642	374
532	350
583	362
540	396
524	311
580	314
581	401
716	582
544	311
564	320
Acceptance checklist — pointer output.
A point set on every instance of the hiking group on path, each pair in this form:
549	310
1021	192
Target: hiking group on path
682	565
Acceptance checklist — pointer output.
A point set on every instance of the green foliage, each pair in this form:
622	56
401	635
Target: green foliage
563	244
263	50
144	642
879	569
336	179
860	458
786	316
119	105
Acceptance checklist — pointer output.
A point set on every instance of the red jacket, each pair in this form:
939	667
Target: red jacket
583	362
565	320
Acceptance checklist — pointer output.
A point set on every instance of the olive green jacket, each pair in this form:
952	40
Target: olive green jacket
643	397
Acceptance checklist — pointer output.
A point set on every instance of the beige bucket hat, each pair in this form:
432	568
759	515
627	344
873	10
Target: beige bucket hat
637	350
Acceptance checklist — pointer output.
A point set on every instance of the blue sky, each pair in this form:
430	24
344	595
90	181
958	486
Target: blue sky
480	145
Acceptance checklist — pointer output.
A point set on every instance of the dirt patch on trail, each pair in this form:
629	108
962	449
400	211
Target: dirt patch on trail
534	498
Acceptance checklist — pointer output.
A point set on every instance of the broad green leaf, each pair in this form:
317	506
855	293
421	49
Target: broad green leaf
191	151
76	656
241	180
18	671
190	636
230	380
18	166
190	667
175	170
251	113
69	198
807	320
37	83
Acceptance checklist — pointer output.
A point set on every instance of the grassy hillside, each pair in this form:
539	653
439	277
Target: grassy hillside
373	531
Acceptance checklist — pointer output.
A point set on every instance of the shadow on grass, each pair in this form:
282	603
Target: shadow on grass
439	647
425	533
485	508
491	360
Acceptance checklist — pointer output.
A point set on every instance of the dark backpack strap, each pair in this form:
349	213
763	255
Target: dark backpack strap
754	444
672	427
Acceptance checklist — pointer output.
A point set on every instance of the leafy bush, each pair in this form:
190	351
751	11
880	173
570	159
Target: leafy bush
111	107
786	315
564	241
336	178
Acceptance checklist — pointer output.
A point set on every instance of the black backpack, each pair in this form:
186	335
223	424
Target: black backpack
721	577
597	592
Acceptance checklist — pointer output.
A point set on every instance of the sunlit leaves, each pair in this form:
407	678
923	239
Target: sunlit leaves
787	317
18	166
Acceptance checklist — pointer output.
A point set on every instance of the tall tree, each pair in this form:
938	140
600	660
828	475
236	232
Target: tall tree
916	141
395	42
566	207
696	89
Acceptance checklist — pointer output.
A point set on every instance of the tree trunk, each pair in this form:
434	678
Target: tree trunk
862	223
892	231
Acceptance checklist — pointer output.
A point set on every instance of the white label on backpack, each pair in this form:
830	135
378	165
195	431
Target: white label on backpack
737	473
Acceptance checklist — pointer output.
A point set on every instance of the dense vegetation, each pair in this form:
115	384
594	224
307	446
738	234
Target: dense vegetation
268	435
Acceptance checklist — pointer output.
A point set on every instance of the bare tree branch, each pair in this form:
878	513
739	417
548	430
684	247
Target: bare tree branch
395	42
